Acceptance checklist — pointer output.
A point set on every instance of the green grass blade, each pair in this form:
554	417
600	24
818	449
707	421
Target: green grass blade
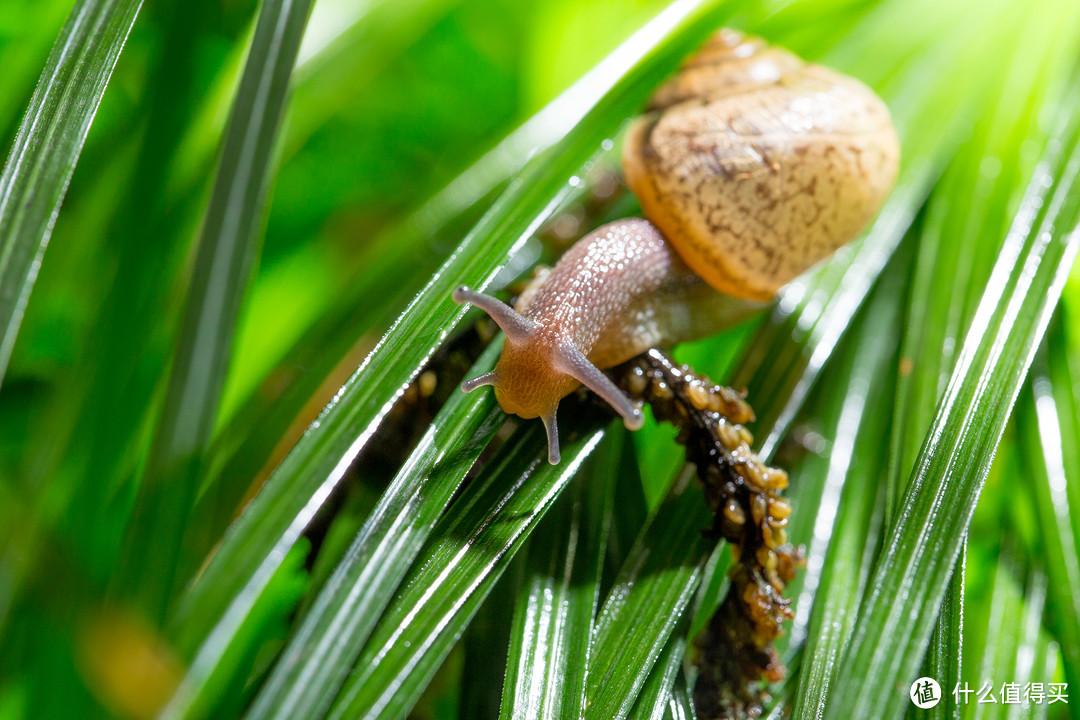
314	664
553	616
959	241
226	251
1048	423
944	659
659	691
849	517
467	553
1015	651
48	144
679	705
922	546
652	591
232	583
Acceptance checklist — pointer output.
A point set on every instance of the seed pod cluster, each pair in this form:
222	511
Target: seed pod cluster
735	651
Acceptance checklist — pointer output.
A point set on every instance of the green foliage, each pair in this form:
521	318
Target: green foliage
211	505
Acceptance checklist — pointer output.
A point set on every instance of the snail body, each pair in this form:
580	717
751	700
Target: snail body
751	166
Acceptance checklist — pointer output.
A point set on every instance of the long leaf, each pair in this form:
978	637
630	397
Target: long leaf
850	517
314	664
1049	426
650	594
553	616
922	546
467	553
225	253
48	144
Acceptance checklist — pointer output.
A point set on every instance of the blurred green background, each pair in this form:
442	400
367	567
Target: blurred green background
154	386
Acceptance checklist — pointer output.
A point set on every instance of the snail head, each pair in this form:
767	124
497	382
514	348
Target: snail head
538	368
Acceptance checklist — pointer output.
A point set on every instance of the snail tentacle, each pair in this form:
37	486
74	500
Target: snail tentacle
574	363
551	426
511	322
481	380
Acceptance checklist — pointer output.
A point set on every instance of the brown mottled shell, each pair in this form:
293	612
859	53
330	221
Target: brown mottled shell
756	165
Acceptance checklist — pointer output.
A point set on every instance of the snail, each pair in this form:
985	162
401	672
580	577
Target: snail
750	166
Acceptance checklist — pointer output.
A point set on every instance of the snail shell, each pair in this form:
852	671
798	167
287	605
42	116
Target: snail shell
756	166
751	166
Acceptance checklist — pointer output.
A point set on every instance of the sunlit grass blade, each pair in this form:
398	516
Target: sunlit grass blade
837	599
650	594
232	583
959	241
679	705
658	693
317	659
557	600
467	552
226	251
1015	652
485	647
944	659
48	144
956	250
923	544
840	549
1050	430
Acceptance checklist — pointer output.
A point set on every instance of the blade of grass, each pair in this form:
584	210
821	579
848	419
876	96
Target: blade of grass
838	414
486	645
659	691
553	618
844	537
48	144
955	255
650	594
922	546
317	658
944	659
467	553
1048	422
999	657
960	239
1031	643
1012	651
679	705
233	581
226	251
